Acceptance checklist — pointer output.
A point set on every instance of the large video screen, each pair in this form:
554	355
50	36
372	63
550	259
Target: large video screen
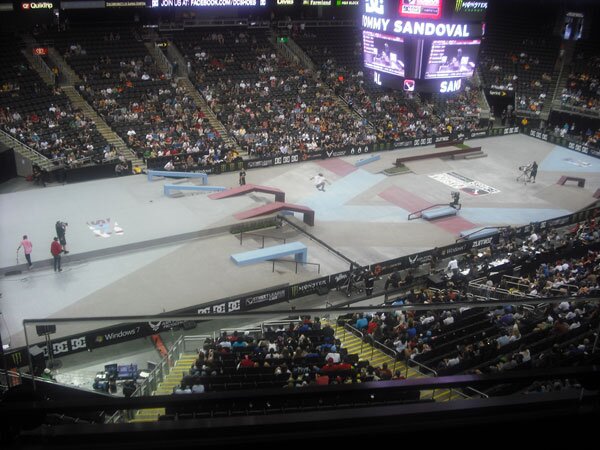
452	59
421	9
384	53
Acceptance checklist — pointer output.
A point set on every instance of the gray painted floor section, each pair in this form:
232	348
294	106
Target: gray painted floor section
145	271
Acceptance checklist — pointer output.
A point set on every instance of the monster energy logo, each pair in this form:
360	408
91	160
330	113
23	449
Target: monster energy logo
461	5
17	358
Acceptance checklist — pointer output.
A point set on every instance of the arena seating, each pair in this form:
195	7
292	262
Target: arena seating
519	53
41	116
510	337
581	90
395	114
150	112
271	106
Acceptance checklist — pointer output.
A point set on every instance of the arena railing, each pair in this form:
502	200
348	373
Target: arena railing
149	384
205	326
37	157
517	283
560	106
481	291
245	303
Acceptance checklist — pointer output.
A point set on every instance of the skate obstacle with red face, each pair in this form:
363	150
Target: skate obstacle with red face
248	188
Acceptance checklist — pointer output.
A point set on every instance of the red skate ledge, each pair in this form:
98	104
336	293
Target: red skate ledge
246	189
309	214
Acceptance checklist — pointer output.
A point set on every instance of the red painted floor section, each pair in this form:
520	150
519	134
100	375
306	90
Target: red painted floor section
337	166
404	199
453	224
411	203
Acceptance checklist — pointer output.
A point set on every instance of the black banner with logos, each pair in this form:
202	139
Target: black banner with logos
350	150
563	142
308	287
347	151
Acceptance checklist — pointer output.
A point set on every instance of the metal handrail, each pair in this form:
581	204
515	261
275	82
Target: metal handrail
509	278
260	235
165	363
435	374
355	331
383	348
24	145
297	262
412	361
482	394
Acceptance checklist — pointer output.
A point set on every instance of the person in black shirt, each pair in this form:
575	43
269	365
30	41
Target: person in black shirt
61	229
533	172
369	282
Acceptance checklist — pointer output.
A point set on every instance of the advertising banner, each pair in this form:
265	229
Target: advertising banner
308	287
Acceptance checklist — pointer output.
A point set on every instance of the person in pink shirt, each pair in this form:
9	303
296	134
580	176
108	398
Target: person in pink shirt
27	248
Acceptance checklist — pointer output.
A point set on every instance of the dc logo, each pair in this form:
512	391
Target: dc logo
374	6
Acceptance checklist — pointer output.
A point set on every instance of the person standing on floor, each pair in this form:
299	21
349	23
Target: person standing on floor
27	248
369	282
61	229
533	172
56	249
242	177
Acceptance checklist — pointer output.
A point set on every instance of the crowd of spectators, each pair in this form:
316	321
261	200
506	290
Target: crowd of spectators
582	90
269	104
302	354
42	117
61	133
150	112
396	115
477	340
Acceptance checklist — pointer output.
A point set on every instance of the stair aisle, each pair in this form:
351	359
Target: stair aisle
181	367
376	358
111	137
212	118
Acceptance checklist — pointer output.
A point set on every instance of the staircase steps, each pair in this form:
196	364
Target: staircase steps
181	367
26	152
212	118
376	358
111	137
68	75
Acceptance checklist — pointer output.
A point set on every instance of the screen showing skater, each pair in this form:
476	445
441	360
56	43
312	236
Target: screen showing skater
384	52
452	58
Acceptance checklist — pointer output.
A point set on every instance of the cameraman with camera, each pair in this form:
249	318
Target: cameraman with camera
61	229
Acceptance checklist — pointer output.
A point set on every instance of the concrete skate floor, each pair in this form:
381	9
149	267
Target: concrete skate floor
171	253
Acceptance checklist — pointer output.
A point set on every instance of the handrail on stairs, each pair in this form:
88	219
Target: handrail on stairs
355	331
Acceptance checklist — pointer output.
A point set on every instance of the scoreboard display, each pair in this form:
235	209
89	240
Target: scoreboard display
422	45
